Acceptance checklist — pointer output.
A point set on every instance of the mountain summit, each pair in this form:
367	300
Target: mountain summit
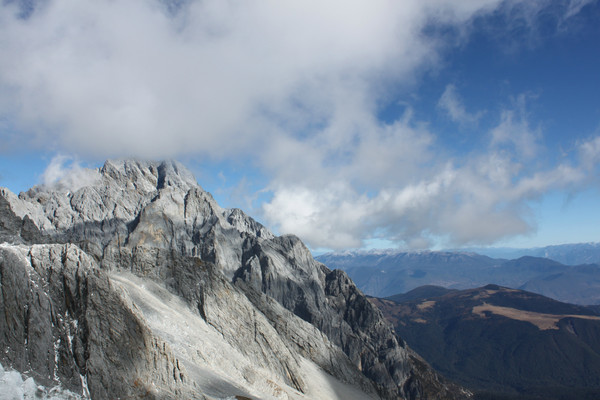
130	281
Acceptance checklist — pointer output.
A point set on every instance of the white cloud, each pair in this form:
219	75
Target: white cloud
452	104
66	173
479	202
290	86
396	183
514	130
127	78
575	6
589	151
308	213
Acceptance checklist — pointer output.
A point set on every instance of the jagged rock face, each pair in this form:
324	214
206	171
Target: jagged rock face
16	228
266	296
66	323
122	336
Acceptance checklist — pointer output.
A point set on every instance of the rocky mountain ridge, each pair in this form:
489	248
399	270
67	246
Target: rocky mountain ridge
90	267
568	254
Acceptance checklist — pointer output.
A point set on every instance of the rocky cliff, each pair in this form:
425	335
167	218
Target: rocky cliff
137	284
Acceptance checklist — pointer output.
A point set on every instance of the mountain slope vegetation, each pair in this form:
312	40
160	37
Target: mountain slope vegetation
504	343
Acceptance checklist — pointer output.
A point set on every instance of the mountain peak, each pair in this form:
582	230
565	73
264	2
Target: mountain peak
263	299
123	174
151	175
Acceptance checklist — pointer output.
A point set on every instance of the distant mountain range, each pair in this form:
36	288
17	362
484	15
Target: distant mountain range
502	343
385	273
568	254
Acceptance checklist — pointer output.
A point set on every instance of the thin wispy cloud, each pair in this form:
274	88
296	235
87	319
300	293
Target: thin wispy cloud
589	151
514	130
575	6
451	103
66	173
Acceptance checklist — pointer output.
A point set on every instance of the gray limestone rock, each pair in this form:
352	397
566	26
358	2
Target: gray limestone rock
66	324
16	225
266	298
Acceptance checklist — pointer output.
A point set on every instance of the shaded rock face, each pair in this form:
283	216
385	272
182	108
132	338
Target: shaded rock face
15	228
85	298
65	323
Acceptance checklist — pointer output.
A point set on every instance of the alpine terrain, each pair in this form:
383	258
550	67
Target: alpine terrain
131	282
383	273
503	343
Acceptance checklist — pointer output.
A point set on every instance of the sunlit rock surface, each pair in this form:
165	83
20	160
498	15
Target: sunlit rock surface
135	283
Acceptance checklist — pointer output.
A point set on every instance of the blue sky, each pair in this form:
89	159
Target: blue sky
415	124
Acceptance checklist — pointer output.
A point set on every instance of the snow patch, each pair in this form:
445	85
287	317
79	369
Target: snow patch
13	387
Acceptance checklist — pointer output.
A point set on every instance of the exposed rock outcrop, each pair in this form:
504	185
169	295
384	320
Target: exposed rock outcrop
145	235
65	323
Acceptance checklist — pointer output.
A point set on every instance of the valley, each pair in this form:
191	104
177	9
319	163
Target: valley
502	343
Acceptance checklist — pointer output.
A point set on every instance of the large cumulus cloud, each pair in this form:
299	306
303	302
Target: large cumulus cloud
290	87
